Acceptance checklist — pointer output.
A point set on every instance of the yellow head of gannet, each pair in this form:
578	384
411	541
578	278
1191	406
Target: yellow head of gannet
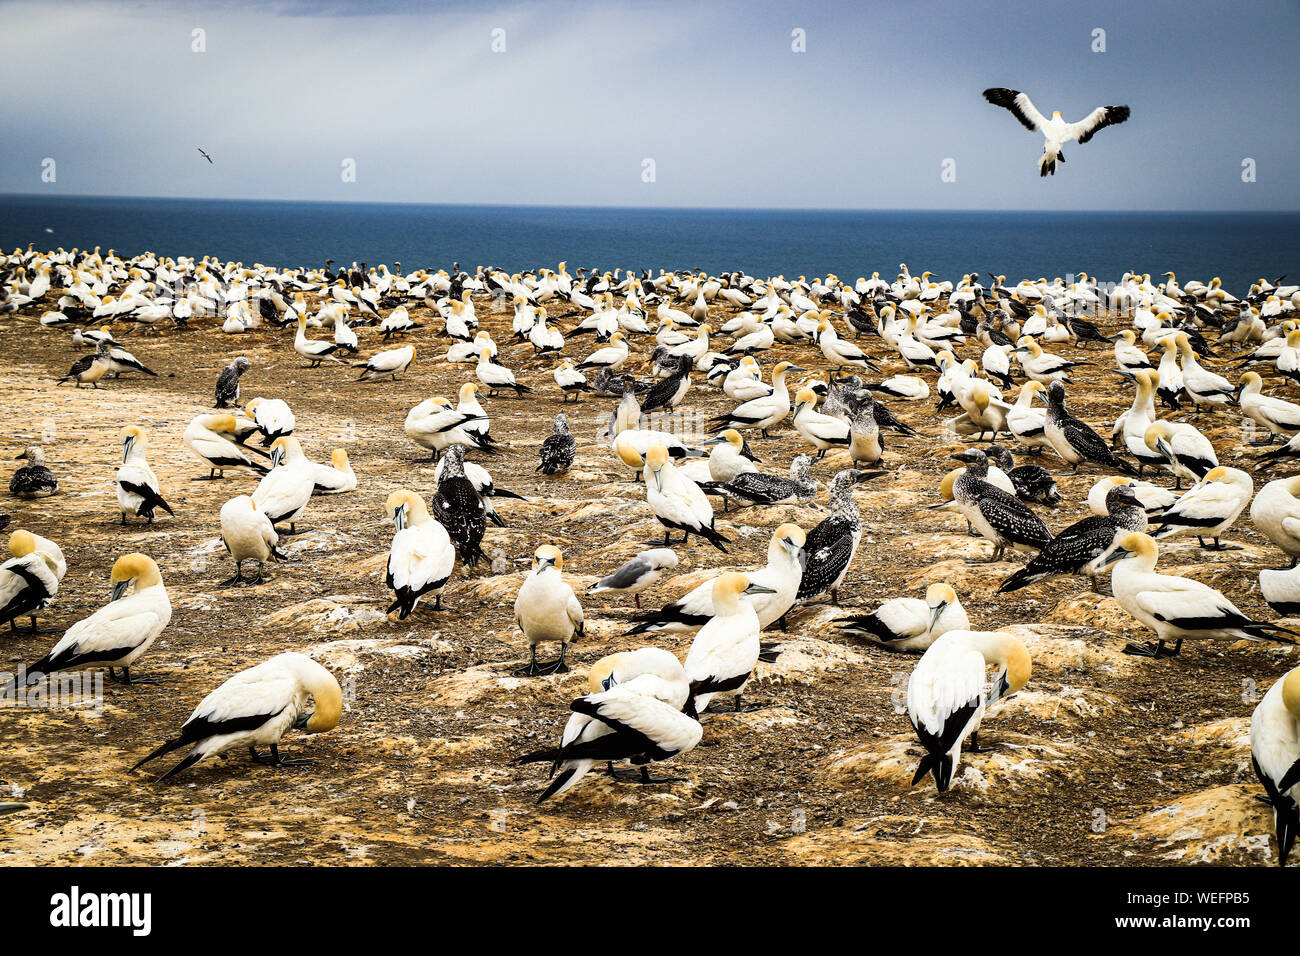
805	396
548	555
220	423
938	597
284	447
791	536
979	396
22	543
339	459
656	457
136	568
407	508
630	456
132	437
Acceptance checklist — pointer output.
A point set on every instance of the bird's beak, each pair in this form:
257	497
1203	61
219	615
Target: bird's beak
276	457
399	517
126	448
937	612
301	722
1116	554
22	455
659	479
759	589
119	589
716	440
796	368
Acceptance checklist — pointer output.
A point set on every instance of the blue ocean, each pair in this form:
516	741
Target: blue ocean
1238	247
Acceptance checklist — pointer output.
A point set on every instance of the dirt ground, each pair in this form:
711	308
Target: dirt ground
1102	759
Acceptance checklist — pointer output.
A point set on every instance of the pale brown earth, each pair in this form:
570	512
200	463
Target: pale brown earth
1102	759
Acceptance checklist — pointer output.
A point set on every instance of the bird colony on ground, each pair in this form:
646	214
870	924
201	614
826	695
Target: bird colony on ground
734	425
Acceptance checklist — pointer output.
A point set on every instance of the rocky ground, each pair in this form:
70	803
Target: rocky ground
1102	759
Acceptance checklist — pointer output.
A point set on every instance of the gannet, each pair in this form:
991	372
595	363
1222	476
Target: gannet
273	418
434	424
726	649
248	536
1279	417
1203	387
29	580
421	558
949	693
1184	451
611	357
640	721
387	364
1153	499
284	492
1276	512
676	501
89	369
460	508
119	633
1275	755
910	624
571	381
636	575
832	544
996	514
546	609
313	350
227	387
212	439
764	412
558	449
1209	508
1078	548
138	493
1056	131
1176	608
759	488
34	479
256	708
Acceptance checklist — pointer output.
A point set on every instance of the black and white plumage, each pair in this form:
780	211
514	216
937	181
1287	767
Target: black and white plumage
1073	439
667	392
89	369
1034	484
227	388
640	721
831	545
636	575
460	509
1275	755
1056	131
421	558
1209	508
1076	550
559	448
138	492
29	580
910	624
33	480
760	488
257	707
482	481
120	360
998	516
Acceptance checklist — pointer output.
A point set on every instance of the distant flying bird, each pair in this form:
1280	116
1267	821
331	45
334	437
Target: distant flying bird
1056	131
205	155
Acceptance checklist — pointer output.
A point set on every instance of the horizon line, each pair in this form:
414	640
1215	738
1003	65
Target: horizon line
697	208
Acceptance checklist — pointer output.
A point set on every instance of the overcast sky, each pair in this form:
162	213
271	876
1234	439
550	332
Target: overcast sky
711	91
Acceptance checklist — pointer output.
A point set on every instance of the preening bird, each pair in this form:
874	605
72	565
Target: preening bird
29	579
273	418
910	624
387	364
256	708
949	693
213	439
284	492
248	535
1056	131
546	609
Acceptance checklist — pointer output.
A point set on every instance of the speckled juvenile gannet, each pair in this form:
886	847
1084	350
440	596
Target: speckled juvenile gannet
1275	755
949	693
1073	439
997	515
1176	608
1079	548
256	708
212	439
421	558
558	449
636	575
759	488
248	536
226	391
830	546
34	479
29	580
546	609
138	493
910	624
119	633
460	508
725	651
